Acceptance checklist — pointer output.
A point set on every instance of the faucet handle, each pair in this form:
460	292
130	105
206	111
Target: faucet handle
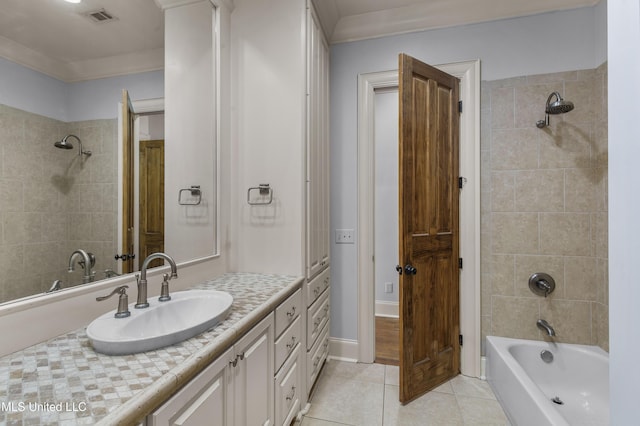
123	301
164	290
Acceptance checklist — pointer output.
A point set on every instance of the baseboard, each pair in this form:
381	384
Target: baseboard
387	309
343	349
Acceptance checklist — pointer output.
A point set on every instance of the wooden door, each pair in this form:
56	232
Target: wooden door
127	183
151	235
428	233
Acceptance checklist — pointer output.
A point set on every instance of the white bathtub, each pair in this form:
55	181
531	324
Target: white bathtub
525	385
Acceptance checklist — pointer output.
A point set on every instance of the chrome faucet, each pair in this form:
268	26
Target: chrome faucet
142	280
544	326
87	261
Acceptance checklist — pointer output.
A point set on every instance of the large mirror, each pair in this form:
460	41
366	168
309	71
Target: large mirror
63	66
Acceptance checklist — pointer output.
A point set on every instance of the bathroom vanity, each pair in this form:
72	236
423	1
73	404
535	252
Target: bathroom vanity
250	369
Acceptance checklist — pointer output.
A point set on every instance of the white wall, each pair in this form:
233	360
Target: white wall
268	133
545	43
624	208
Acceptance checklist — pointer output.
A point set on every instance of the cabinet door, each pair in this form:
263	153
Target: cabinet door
206	400
253	375
318	233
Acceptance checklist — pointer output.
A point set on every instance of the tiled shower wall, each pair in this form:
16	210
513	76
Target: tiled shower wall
52	202
544	207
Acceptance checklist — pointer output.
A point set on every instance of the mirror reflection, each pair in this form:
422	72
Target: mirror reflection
59	132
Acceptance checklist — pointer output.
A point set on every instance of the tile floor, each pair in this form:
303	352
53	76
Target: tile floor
367	394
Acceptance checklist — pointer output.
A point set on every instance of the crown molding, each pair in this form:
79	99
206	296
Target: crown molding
168	4
438	14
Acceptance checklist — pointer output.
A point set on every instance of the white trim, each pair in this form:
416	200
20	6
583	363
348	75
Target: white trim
469	74
343	349
387	309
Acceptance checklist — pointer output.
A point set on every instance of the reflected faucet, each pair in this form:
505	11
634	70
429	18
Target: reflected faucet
544	326
87	261
142	281
57	285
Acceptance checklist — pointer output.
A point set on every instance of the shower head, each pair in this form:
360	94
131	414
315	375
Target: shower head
559	106
65	144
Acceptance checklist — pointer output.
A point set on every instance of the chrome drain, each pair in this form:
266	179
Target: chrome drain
546	356
557	400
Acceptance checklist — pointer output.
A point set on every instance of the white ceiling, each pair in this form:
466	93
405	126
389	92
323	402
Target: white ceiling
53	37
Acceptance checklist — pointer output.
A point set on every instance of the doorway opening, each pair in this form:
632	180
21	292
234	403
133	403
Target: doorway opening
387	328
469	75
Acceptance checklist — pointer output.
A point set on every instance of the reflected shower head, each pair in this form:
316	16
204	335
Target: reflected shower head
559	106
65	144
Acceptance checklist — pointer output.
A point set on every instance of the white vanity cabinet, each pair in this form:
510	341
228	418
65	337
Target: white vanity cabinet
289	345
207	399
235	389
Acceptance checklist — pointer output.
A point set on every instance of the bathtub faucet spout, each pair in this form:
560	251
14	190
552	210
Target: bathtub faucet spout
544	326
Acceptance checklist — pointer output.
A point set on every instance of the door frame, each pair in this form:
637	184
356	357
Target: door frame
469	74
139	107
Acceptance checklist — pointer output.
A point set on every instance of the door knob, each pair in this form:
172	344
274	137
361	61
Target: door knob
399	269
410	270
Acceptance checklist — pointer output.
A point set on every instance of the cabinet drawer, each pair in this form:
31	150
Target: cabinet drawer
288	341
317	317
316	286
288	389
288	311
317	356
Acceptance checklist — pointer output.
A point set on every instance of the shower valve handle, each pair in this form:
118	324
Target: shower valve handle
125	256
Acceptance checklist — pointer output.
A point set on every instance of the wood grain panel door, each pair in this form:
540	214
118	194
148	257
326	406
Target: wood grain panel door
151	235
127	182
428	233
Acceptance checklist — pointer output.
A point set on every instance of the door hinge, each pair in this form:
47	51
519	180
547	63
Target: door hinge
460	107
460	339
460	262
461	181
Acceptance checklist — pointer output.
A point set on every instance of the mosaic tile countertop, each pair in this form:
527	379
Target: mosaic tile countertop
65	382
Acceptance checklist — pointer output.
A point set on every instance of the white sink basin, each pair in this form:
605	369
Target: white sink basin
187	314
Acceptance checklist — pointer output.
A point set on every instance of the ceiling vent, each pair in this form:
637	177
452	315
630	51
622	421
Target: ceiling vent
100	16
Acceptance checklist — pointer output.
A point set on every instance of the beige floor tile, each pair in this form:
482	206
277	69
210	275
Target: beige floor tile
471	387
352	402
481	412
372	373
434	408
392	375
308	421
367	394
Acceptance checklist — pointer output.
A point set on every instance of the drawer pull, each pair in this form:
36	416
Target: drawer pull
316	323
292	394
316	362
316	291
292	312
292	344
235	361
